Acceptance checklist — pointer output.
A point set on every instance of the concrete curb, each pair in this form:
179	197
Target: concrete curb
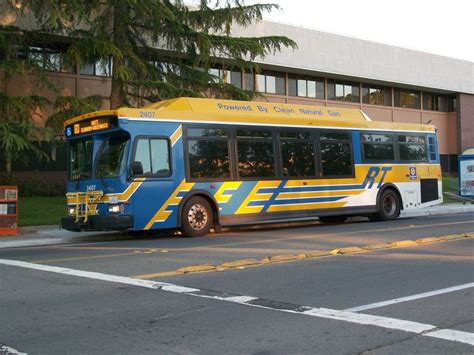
444	209
239	263
196	268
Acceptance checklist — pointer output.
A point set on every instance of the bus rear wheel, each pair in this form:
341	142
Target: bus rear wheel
389	207
196	217
332	219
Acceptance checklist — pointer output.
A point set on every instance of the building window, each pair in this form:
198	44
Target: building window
48	59
102	67
342	91
435	102
270	83
234	78
249	81
452	103
407	99
376	95
302	87
227	76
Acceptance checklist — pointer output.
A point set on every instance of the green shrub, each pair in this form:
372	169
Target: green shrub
35	184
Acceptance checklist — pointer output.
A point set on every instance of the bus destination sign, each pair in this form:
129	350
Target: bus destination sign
92	125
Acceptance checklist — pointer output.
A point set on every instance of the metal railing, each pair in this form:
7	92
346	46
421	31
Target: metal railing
86	204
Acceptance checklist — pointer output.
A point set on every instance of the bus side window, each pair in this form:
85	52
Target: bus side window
336	155
378	147
255	156
297	154
208	153
412	148
432	148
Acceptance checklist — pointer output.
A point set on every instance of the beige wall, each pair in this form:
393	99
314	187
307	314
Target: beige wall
466	121
68	85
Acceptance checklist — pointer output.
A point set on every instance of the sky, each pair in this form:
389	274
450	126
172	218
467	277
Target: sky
444	27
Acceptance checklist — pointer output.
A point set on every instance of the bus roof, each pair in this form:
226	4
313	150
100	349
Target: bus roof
253	113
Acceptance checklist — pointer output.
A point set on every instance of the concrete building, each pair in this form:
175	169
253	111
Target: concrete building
388	83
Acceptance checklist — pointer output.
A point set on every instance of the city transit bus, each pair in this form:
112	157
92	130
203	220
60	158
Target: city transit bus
195	164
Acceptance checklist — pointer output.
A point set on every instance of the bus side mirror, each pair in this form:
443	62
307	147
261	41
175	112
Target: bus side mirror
137	168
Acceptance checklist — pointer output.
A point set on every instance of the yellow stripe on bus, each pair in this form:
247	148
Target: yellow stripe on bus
176	135
309	194
121	197
255	196
304	206
220	196
127	194
162	214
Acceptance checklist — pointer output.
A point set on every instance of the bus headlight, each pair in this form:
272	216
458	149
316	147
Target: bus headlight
71	211
114	209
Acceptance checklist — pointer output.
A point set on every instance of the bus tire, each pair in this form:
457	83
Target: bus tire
332	219
196	217
389	207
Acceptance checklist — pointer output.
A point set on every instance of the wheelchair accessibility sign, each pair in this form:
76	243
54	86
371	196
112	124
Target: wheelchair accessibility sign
412	173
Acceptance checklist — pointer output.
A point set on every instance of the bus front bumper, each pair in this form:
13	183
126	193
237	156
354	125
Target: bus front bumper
98	223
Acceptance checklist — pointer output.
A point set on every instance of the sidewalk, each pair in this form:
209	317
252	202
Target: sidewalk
446	208
53	235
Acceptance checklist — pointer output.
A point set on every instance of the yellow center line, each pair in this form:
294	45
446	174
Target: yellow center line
83	258
103	248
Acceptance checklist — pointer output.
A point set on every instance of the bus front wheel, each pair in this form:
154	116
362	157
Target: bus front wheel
389	207
196	217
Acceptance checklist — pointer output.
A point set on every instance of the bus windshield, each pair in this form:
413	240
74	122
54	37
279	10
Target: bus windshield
112	157
80	162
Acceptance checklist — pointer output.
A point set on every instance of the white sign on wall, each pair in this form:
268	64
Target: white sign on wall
466	176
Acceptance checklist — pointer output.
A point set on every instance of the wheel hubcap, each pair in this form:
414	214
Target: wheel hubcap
197	217
389	205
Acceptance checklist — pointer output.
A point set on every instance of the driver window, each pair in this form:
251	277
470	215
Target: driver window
153	154
142	155
160	157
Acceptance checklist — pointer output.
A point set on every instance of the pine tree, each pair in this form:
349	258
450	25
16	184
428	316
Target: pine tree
159	48
18	133
16	127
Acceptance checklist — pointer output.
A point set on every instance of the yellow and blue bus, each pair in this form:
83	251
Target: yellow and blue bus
195	164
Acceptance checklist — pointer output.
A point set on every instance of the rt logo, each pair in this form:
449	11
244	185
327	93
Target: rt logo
412	173
373	173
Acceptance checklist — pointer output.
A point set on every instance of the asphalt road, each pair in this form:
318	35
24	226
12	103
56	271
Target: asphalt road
125	294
